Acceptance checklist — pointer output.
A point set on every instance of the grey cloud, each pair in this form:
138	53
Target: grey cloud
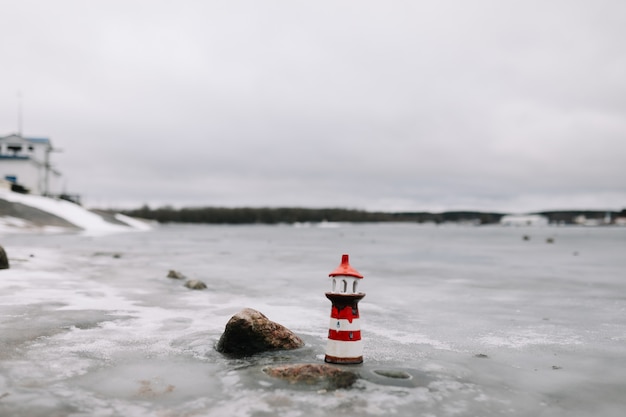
401	105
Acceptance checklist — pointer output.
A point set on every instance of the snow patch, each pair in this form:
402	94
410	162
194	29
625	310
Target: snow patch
91	223
522	338
134	223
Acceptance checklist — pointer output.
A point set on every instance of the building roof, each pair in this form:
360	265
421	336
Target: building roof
345	269
38	140
16	136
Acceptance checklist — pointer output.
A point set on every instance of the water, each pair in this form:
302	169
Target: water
477	320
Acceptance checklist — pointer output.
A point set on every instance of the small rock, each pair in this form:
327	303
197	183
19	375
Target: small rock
175	274
550	240
195	284
481	355
249	332
328	376
526	237
4	260
555	367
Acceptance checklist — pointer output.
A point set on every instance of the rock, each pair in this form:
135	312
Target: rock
329	377
249	332
526	237
550	240
4	260
195	284
175	275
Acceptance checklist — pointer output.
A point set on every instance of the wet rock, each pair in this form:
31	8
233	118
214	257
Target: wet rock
4	260
550	240
526	237
481	356
175	274
325	376
195	284
249	332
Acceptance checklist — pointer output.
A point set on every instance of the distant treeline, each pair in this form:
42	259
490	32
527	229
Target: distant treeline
267	215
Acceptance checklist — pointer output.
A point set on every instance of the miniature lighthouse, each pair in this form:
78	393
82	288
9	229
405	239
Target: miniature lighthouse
344	332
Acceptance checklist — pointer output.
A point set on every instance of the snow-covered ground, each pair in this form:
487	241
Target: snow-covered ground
78	216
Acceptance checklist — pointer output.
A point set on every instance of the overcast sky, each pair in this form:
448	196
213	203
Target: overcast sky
382	105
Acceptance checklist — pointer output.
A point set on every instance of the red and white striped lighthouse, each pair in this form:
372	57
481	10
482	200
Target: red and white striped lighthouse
344	332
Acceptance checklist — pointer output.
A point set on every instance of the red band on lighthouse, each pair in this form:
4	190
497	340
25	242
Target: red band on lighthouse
346	336
347	313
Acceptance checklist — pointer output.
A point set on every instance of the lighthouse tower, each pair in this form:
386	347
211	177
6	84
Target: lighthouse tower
344	332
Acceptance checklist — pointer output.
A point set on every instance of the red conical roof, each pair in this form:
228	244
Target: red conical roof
345	269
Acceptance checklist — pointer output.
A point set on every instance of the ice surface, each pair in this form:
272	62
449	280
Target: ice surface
483	322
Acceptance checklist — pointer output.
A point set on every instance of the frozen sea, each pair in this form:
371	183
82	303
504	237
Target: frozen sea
479	321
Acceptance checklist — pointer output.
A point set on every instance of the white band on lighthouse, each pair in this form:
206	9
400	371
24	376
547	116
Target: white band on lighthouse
343	349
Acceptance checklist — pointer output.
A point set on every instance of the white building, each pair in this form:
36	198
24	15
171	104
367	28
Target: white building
25	164
524	220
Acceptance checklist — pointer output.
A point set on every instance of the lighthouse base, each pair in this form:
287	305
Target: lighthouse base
338	351
343	361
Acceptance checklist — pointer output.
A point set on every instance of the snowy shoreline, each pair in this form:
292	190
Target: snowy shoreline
31	213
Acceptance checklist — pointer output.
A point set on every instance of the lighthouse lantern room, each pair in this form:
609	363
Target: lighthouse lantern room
344	332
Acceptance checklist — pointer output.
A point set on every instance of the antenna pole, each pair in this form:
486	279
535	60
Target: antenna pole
19	113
